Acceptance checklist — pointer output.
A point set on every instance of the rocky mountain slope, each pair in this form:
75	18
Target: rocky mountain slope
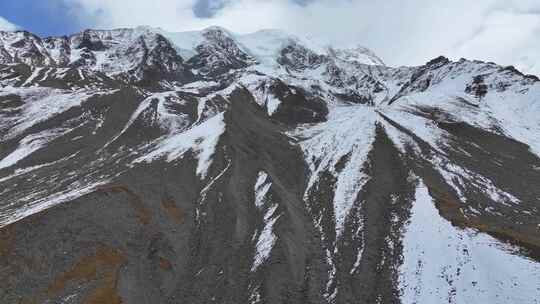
143	166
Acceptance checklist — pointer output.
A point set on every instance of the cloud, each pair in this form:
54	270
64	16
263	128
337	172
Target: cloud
208	8
401	32
509	37
6	25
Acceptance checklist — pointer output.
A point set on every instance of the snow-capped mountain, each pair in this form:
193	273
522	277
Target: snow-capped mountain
144	166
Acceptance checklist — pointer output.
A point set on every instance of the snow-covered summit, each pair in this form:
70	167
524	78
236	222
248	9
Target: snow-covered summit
357	54
119	51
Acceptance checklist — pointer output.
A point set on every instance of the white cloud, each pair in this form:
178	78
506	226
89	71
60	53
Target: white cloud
401	32
6	25
507	38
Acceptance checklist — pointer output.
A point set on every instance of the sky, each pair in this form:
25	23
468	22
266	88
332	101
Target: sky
401	32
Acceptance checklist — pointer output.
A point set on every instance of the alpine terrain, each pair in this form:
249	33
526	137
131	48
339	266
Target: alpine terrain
145	166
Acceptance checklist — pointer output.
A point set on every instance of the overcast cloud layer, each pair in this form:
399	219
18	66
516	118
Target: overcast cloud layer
401	32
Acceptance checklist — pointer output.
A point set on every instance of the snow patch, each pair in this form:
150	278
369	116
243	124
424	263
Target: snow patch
165	119
30	144
202	139
34	75
39	104
445	264
266	239
272	104
262	185
10	216
339	142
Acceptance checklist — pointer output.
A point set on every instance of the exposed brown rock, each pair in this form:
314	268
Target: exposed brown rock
164	264
175	213
143	214
102	267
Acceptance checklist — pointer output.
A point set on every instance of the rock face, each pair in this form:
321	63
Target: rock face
142	166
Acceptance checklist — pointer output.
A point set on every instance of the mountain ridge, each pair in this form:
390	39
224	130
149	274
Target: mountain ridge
260	168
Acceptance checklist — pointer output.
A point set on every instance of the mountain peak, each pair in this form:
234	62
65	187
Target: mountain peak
216	29
214	167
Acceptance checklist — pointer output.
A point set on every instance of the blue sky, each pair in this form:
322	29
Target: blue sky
60	17
56	17
40	17
401	32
